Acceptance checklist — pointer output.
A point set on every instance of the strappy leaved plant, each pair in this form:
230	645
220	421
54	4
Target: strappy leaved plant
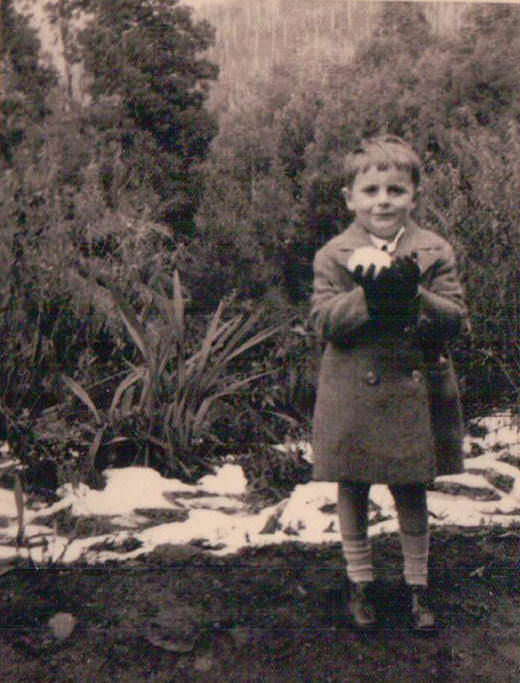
174	394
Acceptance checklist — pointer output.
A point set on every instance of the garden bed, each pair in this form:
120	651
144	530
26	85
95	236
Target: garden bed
272	614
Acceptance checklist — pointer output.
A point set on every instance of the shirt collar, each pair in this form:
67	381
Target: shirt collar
386	245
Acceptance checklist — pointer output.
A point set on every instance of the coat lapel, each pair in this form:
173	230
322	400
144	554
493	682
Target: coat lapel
356	236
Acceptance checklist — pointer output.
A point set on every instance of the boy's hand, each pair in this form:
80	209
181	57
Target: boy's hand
393	289
378	290
407	273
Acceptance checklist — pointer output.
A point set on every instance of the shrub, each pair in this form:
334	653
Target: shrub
452	98
173	391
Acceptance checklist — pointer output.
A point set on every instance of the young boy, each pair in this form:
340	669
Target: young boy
386	300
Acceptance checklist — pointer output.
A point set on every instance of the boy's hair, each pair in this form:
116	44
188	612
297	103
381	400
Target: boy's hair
383	151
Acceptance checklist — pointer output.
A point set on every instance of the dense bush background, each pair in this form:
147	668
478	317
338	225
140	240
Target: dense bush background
274	172
108	191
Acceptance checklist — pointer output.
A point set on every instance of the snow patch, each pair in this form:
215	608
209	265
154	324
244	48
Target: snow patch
216	517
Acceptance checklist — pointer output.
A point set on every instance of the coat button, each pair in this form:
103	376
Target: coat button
416	375
371	378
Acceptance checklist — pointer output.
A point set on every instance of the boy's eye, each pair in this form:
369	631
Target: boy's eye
396	189
370	189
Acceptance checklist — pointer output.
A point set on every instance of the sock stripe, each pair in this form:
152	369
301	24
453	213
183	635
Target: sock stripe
415	553
358	555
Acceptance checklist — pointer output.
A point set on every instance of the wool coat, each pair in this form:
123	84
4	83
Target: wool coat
387	407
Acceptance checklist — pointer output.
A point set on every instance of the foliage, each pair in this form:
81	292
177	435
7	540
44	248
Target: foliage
453	98
58	235
24	81
103	191
273	472
167	403
249	217
80	206
147	74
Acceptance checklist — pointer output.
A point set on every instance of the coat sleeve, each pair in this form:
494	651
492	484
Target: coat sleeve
338	305
442	313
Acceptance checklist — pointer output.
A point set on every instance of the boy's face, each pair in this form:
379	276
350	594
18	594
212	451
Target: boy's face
382	200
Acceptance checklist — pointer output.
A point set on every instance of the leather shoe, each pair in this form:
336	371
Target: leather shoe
422	615
361	607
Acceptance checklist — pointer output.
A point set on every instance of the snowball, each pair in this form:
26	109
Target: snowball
368	256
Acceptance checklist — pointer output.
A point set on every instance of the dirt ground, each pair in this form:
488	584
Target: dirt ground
271	614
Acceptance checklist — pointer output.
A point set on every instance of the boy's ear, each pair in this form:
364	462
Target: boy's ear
347	194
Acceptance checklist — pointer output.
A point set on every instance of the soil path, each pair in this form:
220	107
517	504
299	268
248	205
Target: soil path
274	614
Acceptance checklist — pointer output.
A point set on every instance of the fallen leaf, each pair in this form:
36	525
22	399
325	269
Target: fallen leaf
171	643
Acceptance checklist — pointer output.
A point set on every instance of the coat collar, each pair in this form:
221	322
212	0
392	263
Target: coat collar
356	236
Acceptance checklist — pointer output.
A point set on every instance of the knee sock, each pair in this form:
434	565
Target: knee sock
358	555
412	510
353	523
415	553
